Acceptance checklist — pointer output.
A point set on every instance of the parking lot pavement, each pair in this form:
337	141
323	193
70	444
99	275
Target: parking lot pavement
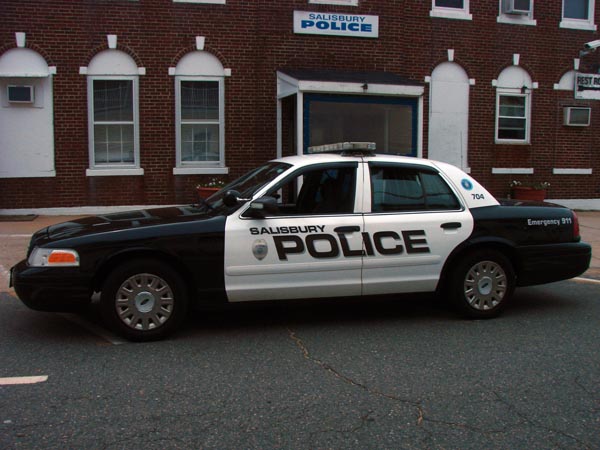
14	238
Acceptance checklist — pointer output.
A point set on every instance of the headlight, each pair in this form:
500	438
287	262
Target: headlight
53	257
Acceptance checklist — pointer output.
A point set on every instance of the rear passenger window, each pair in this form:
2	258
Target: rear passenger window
399	188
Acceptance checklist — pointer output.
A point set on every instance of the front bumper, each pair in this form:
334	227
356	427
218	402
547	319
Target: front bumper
539	264
51	289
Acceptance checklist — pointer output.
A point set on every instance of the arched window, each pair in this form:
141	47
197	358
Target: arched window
26	104
200	115
513	106
113	116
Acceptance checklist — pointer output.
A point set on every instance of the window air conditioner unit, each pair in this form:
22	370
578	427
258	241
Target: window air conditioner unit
577	117
517	7
20	94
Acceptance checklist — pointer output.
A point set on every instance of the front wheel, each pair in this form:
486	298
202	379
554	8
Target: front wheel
482	283
143	300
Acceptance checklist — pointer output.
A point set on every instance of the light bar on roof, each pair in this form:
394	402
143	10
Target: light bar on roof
343	147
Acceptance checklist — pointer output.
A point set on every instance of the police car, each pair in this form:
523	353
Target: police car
342	222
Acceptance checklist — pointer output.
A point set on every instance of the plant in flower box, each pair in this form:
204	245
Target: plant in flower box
535	191
211	186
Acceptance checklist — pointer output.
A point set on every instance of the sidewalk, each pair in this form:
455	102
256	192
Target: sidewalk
14	238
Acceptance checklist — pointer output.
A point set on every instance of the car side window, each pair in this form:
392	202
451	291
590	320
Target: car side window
318	190
396	188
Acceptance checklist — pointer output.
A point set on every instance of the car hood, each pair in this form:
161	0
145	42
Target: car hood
124	220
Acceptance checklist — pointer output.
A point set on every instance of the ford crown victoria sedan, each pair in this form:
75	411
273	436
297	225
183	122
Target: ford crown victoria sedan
349	223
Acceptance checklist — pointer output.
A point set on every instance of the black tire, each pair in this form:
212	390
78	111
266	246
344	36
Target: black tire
143	300
482	283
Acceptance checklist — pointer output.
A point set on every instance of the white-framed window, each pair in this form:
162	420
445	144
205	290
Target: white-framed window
335	2
216	2
199	114
113	122
200	118
113	116
514	89
517	12
451	9
578	14
512	117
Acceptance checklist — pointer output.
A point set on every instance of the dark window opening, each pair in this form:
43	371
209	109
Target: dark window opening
322	190
391	123
397	188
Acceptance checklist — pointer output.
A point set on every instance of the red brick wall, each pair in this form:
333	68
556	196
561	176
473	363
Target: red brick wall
255	38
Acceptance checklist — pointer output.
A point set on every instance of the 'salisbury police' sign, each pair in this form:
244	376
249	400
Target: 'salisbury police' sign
587	86
336	24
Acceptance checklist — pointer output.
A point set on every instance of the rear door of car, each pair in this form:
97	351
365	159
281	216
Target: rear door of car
310	247
414	220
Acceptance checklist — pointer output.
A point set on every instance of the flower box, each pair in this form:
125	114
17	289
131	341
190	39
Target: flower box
205	192
528	193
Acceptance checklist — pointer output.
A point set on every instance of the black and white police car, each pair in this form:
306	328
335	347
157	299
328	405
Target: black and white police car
343	222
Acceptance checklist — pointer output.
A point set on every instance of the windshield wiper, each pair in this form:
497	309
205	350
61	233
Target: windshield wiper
204	204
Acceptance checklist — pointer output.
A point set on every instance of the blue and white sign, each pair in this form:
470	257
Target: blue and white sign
336	24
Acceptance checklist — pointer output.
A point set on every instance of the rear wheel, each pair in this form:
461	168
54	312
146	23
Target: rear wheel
143	300
482	283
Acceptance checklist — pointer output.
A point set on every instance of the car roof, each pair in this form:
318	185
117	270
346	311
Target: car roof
473	193
303	160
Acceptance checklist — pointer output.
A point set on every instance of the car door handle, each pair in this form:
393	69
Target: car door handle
451	225
348	229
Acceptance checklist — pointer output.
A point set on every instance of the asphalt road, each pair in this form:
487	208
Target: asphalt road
370	374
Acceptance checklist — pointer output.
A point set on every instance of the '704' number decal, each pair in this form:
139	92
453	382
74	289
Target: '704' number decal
478	196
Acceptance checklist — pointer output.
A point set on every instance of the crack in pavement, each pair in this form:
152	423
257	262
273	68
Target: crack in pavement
523	418
537	424
577	382
350	381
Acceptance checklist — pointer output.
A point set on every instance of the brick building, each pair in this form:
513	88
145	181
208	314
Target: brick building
135	102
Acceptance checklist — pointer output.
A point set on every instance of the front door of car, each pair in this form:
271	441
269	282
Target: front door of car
414	223
307	245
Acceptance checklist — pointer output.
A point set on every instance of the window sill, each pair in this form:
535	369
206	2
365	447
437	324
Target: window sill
200	170
335	2
216	2
444	14
512	170
113	172
578	25
571	171
501	142
517	21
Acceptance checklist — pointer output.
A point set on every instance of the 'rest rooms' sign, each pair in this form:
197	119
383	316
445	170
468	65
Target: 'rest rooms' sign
336	24
587	86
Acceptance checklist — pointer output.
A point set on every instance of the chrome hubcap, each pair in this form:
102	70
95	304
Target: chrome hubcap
485	285
144	302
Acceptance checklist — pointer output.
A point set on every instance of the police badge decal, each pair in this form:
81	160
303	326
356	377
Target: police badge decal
260	249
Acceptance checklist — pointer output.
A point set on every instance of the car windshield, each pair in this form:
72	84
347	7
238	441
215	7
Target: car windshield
247	185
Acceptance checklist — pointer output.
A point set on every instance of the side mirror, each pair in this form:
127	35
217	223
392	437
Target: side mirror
232	198
262	207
